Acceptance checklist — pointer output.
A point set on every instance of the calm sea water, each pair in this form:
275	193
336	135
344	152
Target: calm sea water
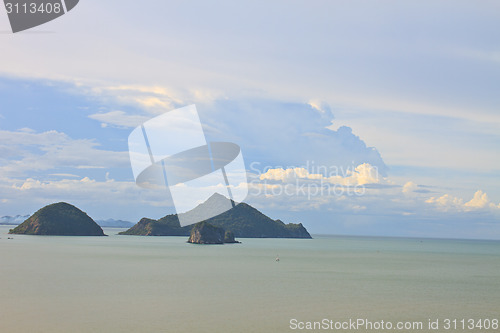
163	284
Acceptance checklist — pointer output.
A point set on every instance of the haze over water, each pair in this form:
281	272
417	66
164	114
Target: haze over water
163	284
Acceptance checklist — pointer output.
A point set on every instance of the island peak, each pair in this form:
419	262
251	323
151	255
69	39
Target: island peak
59	219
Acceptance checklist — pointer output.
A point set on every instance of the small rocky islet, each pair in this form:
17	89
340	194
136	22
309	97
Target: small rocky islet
205	233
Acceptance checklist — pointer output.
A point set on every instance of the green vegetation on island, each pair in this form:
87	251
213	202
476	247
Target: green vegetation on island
243	221
205	233
229	237
59	219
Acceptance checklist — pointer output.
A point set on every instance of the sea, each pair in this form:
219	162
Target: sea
163	284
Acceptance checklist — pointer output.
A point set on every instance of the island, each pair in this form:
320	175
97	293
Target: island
229	238
205	233
59	219
243	221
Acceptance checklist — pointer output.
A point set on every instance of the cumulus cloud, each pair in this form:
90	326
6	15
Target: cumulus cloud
480	200
363	174
276	133
449	202
335	190
269	131
409	188
446	202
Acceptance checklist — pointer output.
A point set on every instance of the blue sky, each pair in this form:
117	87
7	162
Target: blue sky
403	94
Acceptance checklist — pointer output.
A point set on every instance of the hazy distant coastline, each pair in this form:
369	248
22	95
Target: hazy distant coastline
13	220
108	223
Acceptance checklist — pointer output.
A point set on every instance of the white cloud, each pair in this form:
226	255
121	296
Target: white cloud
363	174
123	199
28	151
409	187
119	118
66	175
449	202
446	202
147	101
480	200
277	132
284	189
155	90
151	99
320	106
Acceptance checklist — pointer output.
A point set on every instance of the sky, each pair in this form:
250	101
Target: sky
353	117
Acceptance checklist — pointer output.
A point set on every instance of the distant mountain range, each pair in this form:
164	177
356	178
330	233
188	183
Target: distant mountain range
243	221
13	220
111	223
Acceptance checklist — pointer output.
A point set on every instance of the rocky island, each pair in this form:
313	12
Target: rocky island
59	219
229	238
205	233
242	221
